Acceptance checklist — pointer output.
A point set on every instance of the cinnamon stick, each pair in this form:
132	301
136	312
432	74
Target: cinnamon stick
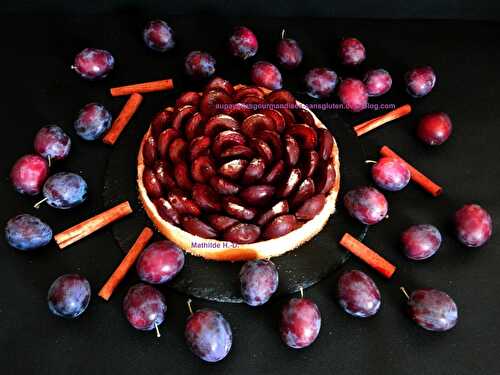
369	256
123	118
126	263
91	225
416	175
374	123
162	85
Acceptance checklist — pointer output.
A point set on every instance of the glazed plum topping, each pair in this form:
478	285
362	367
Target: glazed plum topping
92	63
391	174
144	307
420	81
320	82
52	143
421	241
259	280
266	75
351	51
353	94
243	43
357	294
208	335
289	53
433	310
92	122
29	173
300	323
242	179
158	35
377	82
69	296
473	225
434	128
199	64
27	232
160	262
366	204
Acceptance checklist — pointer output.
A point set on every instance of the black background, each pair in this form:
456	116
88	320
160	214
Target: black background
39	88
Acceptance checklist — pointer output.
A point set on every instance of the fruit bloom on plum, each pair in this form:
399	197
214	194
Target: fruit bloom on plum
92	63
473	224
377	82
289	53
29	173
158	36
27	232
353	95
243	43
366	204
144	307
351	51
65	190
358	295
69	296
266	75
391	174
320	82
433	310
92	122
259	280
434	128
199	64
420	81
160	262
300	323
52	142
421	241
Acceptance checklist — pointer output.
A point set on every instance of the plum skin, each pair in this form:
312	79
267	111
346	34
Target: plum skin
27	232
52	142
366	204
353	95
300	323
265	74
69	296
199	64
92	63
377	82
352	52
158	36
434	128
160	262
243	43
391	174
208	335
259	280
65	190
92	121
421	241
28	174
433	310
358	294
473	225
320	82
289	53
144	307
420	81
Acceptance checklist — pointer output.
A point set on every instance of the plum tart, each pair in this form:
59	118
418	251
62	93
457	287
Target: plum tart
238	172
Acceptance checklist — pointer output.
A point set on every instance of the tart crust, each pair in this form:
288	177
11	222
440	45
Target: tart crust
225	251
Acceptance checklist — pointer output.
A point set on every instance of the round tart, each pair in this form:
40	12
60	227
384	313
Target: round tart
228	178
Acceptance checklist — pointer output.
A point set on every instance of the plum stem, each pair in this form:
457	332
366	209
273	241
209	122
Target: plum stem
301	292
37	204
157	331
283	34
189	306
402	288
49	161
370	162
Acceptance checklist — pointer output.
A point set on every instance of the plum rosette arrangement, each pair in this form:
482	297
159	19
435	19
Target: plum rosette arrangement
238	172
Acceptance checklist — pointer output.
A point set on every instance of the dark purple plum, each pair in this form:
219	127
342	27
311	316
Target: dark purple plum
199	64
92	63
267	75
69	296
420	81
391	174
289	53
29	173
144	307
92	122
473	225
377	82
351	51
366	204
421	241
259	280
208	335
65	190
27	232
433	310
358	295
300	323
353	95
320	82
434	128
158	36
243	43
160	262
52	143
